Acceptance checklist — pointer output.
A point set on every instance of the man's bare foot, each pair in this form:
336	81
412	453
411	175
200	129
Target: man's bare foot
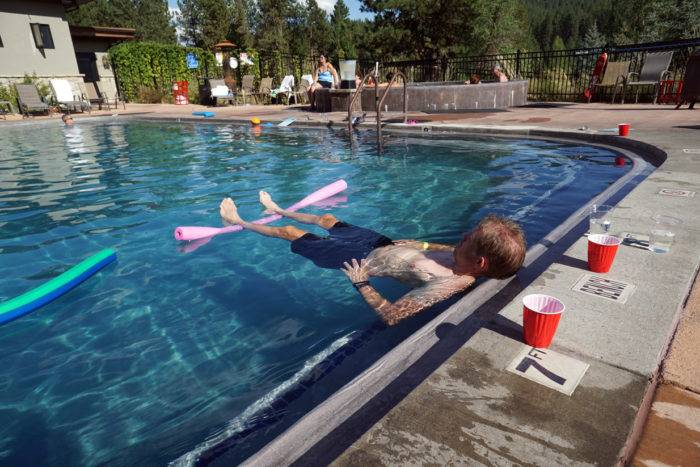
271	206
229	212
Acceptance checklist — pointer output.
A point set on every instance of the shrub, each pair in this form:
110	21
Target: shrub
43	88
148	65
8	93
149	95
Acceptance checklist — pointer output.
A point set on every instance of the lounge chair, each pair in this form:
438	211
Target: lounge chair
220	92
654	70
66	98
94	96
29	100
615	75
285	89
691	82
265	89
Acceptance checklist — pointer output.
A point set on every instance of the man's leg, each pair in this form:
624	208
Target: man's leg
229	213
326	220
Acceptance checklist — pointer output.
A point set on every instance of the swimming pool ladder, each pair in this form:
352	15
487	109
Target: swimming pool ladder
377	101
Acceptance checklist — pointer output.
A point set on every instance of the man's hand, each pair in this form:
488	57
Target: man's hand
356	272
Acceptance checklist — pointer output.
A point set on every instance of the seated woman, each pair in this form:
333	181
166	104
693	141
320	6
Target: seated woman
499	74
324	76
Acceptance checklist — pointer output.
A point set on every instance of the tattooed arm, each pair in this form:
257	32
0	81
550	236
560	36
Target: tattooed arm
413	302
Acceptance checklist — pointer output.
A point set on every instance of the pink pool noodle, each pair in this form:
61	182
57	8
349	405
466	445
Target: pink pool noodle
195	233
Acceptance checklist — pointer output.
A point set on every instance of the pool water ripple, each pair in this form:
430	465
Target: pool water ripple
166	352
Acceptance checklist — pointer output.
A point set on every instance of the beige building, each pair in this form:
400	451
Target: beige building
35	39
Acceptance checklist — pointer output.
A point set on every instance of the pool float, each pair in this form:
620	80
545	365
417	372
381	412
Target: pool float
287	121
203	114
30	301
195	232
595	77
255	121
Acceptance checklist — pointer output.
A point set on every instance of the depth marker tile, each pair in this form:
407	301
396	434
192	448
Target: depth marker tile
677	193
548	368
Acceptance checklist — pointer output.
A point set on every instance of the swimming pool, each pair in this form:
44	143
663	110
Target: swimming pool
165	349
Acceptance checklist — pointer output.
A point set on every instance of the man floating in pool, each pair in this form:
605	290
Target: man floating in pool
495	248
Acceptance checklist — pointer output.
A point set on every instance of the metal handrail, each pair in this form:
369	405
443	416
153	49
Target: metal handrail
358	92
381	101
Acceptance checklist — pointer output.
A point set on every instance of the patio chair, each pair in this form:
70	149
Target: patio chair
66	98
615	75
220	92
247	83
303	88
285	89
654	70
94	96
117	98
691	82
265	89
29	100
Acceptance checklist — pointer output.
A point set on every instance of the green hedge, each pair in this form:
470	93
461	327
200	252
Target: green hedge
147	69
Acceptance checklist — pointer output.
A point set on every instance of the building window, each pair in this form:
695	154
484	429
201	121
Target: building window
1	44
42	36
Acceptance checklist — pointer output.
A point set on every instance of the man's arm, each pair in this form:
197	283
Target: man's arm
413	302
419	245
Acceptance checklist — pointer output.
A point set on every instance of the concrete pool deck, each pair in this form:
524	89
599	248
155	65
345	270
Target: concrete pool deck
453	400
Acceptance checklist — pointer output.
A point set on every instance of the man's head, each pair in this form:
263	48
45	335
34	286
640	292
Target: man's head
495	248
67	119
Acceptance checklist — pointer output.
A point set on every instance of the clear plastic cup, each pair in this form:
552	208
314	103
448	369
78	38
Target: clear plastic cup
662	233
600	219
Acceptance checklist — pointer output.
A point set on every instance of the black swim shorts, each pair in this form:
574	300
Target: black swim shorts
343	243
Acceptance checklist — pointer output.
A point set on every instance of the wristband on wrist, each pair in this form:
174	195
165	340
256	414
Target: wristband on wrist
425	245
359	284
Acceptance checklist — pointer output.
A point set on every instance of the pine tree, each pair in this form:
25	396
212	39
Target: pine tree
155	23
240	32
319	32
593	37
271	29
203	22
342	44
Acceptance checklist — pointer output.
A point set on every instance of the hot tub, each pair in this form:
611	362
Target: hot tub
449	96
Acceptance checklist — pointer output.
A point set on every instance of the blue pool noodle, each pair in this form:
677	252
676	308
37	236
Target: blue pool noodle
204	114
30	301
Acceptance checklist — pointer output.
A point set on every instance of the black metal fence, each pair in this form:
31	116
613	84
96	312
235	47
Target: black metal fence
554	75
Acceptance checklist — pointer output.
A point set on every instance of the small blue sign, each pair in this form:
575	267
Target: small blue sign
192	61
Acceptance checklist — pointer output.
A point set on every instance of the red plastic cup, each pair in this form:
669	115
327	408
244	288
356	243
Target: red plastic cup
541	315
601	251
623	129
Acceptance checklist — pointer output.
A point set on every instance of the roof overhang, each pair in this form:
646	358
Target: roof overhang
98	32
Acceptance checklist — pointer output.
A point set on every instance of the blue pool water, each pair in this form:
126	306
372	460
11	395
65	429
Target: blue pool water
166	349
